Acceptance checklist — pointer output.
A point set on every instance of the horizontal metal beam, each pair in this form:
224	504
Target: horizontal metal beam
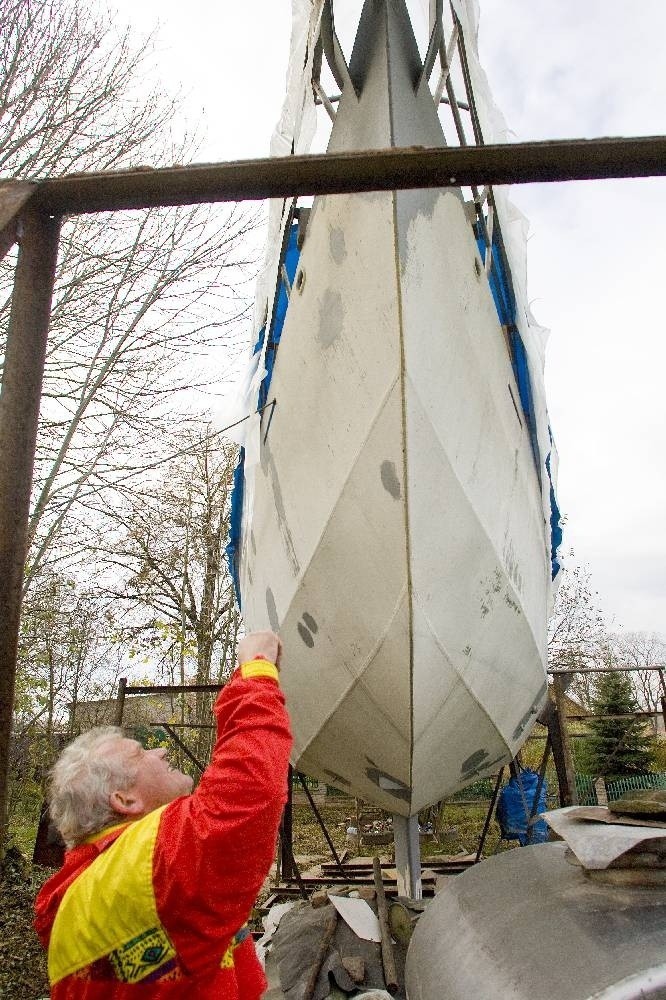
603	670
370	170
174	688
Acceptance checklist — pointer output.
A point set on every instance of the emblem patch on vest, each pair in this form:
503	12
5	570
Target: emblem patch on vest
142	956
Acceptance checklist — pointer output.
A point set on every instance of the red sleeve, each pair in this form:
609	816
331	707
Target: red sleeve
215	847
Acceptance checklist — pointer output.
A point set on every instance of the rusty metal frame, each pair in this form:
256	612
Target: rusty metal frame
30	214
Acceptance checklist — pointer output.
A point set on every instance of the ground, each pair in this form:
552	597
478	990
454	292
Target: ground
22	961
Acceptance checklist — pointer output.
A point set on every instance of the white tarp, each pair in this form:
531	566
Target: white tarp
293	134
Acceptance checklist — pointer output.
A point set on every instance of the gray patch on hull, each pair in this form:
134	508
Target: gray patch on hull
336	242
272	610
485	767
331	314
390	480
393	786
531	713
473	762
305	635
512	604
310	622
269	468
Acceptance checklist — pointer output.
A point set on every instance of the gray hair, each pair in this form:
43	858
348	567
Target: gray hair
81	782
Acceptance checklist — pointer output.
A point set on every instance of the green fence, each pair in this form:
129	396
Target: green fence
616	788
587	793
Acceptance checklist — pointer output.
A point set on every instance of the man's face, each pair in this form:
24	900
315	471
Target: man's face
157	783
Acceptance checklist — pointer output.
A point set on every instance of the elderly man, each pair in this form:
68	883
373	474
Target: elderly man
157	885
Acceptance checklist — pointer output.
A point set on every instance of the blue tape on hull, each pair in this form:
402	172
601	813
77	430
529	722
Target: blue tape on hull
505	304
282	302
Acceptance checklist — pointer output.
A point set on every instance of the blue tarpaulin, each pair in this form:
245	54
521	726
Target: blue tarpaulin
512	814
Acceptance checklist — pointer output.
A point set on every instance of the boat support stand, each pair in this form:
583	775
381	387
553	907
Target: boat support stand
407	856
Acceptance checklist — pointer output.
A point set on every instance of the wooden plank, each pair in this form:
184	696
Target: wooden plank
293	892
14	196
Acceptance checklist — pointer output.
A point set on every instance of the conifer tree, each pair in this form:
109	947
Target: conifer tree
620	745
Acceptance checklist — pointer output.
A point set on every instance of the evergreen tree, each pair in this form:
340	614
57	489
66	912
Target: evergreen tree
621	745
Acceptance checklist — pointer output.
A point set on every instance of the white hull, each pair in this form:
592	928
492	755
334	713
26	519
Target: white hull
397	536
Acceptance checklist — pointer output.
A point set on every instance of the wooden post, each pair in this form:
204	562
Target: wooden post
559	737
388	958
20	399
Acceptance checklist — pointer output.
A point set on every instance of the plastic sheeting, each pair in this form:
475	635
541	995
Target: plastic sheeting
516	802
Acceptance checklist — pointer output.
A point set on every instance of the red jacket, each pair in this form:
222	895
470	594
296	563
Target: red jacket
157	908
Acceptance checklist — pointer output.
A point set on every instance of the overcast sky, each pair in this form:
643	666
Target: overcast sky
558	69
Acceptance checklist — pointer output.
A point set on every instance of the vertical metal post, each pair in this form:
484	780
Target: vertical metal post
663	696
407	856
537	792
20	398
287	833
322	825
559	736
489	815
120	702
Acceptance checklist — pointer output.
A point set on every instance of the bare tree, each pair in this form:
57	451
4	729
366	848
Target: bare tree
168	550
73	92
139	296
67	650
645	649
578	636
67	653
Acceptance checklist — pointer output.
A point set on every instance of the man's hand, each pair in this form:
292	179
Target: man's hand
266	644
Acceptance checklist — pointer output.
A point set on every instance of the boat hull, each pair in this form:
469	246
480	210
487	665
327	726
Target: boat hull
394	532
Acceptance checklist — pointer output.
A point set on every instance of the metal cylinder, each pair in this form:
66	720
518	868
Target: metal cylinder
528	924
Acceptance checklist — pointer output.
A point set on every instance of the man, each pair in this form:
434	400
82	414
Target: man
157	885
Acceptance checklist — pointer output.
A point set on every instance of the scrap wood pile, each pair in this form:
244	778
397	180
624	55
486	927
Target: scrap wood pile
340	942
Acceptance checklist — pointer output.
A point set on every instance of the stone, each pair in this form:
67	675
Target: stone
355	967
645	802
319	898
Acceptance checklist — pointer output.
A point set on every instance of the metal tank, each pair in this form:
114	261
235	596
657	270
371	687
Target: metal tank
530	925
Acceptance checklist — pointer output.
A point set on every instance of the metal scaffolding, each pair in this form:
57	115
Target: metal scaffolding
30	215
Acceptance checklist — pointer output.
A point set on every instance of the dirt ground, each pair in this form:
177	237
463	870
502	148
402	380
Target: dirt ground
22	961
